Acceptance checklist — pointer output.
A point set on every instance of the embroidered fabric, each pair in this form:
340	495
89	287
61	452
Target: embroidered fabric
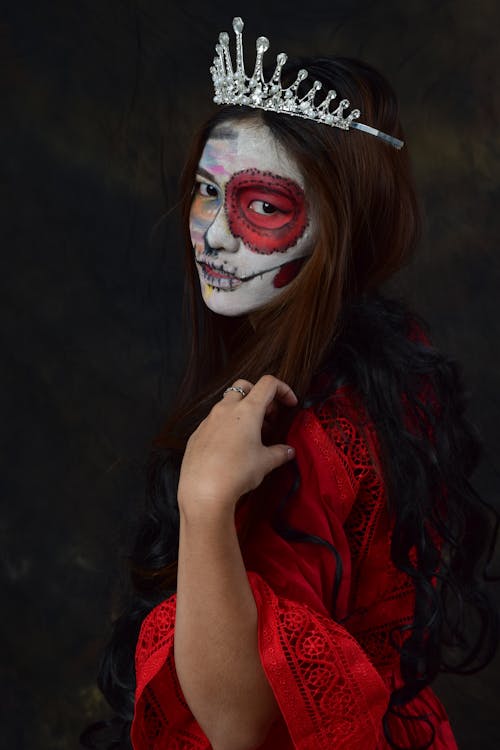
331	675
334	696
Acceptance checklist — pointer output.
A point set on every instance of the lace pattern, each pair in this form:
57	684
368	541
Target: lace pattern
328	677
381	597
162	716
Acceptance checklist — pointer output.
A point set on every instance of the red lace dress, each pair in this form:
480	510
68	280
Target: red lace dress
331	677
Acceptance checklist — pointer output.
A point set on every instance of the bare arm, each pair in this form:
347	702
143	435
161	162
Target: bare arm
215	642
215	646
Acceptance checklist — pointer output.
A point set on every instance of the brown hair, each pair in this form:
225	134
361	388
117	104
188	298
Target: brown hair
362	192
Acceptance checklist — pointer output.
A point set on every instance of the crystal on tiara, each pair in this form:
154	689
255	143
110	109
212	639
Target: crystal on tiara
234	86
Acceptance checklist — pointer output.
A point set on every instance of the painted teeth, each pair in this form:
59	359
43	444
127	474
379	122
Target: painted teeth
219	282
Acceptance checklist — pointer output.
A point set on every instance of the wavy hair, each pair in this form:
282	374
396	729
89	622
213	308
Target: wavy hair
363	194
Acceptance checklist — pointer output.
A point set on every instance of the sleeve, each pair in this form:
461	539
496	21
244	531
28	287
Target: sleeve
162	718
329	693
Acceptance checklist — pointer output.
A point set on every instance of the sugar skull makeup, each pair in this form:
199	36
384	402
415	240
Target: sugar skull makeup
250	224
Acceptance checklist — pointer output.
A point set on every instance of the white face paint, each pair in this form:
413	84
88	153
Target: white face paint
250	224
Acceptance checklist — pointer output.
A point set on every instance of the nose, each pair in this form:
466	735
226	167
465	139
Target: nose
219	236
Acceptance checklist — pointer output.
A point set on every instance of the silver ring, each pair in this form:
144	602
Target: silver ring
235	388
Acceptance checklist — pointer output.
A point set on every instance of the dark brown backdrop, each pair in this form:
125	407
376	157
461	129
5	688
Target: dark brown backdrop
98	103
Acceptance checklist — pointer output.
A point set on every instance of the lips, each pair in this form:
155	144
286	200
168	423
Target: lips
218	278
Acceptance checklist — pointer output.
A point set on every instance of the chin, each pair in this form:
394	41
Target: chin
231	304
226	307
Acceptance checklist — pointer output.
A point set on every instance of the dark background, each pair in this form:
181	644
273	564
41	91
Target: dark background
98	102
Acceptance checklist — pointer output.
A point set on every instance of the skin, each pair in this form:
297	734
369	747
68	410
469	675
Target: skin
250	223
215	644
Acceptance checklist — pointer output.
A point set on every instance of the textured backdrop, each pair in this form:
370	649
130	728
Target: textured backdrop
98	101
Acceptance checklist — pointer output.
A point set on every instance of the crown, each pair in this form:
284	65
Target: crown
233	86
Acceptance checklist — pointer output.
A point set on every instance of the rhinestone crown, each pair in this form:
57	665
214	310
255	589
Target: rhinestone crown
233	86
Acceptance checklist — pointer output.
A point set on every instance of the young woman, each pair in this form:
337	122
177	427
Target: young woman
312	542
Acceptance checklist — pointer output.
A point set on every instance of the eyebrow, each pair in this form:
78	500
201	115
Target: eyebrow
224	134
206	174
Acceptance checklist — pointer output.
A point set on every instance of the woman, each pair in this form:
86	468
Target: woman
308	550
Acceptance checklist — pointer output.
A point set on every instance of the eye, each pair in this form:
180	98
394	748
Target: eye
263	207
207	190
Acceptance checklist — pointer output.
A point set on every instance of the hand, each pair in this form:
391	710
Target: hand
225	456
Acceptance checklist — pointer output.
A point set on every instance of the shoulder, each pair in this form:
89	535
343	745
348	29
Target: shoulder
345	418
338	437
384	352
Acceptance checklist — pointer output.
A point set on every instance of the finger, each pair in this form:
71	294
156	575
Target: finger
271	411
267	432
269	388
277	455
245	385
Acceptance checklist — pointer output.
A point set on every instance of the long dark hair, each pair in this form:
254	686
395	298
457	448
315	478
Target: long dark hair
369	223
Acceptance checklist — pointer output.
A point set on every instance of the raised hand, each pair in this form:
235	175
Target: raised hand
225	456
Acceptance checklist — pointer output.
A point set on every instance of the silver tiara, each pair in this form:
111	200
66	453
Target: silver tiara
233	86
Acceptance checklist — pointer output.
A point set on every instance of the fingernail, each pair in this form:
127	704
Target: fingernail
291	452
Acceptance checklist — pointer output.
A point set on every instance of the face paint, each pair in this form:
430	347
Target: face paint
287	273
249	220
268	212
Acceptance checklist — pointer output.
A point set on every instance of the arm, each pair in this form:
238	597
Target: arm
215	643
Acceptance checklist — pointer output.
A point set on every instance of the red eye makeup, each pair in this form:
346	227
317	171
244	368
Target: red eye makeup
266	211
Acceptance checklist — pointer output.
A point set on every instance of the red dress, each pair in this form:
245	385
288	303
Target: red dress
331	677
